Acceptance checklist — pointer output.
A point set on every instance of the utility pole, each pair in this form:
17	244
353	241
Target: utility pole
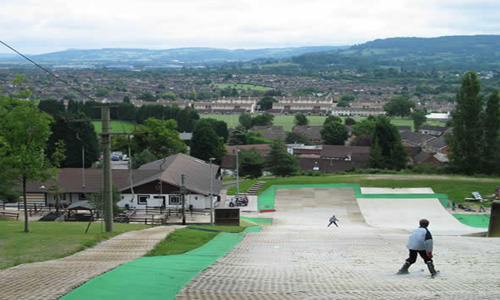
183	197
107	196
211	159
237	175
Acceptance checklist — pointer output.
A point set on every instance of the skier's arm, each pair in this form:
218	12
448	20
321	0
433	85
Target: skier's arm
428	242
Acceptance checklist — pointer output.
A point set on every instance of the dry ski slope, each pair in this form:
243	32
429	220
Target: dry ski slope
300	258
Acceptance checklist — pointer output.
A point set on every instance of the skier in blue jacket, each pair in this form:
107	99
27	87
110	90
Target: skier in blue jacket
420	242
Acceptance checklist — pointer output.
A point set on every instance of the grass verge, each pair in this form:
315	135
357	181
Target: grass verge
189	238
50	240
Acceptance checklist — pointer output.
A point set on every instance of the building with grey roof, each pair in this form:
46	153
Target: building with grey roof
156	184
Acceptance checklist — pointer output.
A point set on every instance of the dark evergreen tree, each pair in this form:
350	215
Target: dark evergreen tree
186	118
220	127
467	138
279	161
419	118
206	144
375	158
491	158
251	163
52	107
387	151
80	139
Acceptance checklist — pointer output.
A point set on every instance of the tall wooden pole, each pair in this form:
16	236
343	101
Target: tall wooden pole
183	197
237	175
107	196
211	159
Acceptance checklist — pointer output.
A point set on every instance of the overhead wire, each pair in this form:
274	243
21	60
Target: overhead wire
48	72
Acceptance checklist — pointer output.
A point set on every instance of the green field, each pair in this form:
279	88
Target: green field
288	121
285	121
232	121
116	127
243	86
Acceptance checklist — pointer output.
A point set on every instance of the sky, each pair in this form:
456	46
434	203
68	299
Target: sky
44	26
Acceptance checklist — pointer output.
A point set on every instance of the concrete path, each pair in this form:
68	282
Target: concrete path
52	279
300	258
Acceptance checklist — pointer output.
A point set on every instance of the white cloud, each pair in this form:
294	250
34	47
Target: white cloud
41	26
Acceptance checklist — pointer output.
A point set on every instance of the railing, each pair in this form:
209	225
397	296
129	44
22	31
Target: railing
34	207
147	221
10	214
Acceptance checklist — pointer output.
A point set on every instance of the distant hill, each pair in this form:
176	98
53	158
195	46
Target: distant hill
178	56
448	52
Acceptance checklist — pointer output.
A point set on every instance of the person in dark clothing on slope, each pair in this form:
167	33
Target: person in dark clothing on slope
420	242
333	220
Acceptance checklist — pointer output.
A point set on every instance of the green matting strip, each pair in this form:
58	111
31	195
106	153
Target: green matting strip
478	221
258	220
157	277
266	199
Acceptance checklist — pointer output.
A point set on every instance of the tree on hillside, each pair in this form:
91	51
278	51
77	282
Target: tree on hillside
163	138
142	158
97	201
220	127
24	132
467	134
245	121
301	120
332	119
347	97
399	106
251	163
264	119
206	144
296	138
419	118
349	121
279	161
266	103
52	107
387	151
56	158
491	158
365	127
80	140
334	133
343	103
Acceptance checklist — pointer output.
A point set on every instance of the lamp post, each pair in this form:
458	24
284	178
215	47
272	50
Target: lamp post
237	175
211	159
